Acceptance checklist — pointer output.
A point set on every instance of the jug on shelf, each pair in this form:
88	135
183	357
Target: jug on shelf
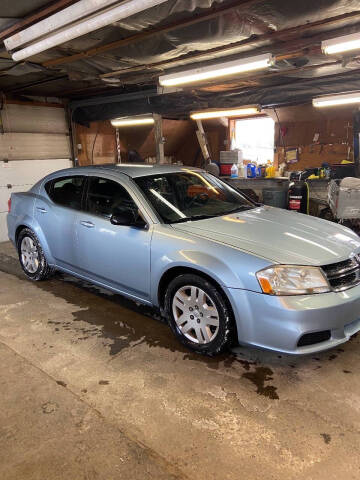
251	170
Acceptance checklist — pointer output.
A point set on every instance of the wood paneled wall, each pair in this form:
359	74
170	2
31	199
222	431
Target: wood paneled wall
299	124
98	142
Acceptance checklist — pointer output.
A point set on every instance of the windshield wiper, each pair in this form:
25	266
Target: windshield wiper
240	208
194	217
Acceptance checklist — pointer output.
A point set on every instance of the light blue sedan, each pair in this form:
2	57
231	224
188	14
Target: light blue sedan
219	267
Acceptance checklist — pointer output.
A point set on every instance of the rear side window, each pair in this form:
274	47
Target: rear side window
66	191
107	198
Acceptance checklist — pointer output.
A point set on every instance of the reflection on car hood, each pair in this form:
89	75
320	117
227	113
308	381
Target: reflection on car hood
279	235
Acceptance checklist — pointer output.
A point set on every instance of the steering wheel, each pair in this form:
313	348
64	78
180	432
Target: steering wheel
202	198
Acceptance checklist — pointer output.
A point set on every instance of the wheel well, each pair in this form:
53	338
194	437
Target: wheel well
18	230
170	274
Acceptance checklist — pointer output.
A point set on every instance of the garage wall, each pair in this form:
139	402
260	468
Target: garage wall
302	122
34	141
96	144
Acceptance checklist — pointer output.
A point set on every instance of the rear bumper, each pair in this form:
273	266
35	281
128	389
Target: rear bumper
11	222
278	323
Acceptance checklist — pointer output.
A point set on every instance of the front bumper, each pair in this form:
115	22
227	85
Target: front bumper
278	323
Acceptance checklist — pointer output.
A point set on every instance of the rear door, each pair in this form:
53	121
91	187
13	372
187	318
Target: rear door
115	255
56	211
19	176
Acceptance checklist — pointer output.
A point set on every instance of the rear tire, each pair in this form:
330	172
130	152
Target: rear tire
198	314
31	256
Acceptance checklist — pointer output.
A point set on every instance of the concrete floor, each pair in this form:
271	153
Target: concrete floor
94	387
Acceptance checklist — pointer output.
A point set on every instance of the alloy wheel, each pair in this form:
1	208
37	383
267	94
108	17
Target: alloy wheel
29	255
195	314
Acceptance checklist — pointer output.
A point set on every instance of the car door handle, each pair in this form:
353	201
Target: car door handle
86	224
41	209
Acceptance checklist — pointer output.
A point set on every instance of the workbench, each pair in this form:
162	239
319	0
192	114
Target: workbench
317	187
258	183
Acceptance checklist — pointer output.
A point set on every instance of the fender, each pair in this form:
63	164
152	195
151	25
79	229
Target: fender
229	267
197	262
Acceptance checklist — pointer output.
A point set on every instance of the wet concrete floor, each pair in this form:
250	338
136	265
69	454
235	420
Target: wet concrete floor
96	387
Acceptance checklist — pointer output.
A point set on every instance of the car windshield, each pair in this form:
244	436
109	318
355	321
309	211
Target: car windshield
190	195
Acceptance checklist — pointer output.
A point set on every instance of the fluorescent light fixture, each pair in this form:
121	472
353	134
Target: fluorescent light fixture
345	43
132	121
68	15
232	112
215	71
333	100
87	25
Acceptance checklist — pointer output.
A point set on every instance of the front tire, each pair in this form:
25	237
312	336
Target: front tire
198	314
31	256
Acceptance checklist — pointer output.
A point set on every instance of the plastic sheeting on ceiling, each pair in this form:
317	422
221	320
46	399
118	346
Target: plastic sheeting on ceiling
224	30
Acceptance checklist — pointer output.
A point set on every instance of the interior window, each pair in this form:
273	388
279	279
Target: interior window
66	191
255	147
107	198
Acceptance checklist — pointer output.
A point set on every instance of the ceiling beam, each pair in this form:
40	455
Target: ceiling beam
52	7
25	86
200	17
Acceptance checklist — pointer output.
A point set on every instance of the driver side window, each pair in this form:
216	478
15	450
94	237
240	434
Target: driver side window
106	197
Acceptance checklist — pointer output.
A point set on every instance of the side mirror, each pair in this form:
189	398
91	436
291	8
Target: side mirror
125	216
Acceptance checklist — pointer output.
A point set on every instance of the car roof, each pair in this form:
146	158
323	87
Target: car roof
130	169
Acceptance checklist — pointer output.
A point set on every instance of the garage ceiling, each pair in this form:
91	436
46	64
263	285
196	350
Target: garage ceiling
128	56
20	9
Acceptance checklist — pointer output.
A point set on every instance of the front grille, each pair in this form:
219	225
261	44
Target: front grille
343	275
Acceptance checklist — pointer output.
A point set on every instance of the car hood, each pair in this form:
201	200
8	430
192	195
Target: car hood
279	235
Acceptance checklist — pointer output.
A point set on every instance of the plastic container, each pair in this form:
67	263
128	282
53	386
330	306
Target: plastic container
270	171
234	172
228	156
275	197
251	170
298	197
225	169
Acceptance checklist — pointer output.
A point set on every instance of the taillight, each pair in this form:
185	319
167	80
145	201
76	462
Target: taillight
9	205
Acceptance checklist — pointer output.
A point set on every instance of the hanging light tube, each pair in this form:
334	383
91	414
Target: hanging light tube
114	14
216	71
341	44
333	100
231	112
60	19
132	121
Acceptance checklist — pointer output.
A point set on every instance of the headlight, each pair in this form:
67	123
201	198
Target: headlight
292	280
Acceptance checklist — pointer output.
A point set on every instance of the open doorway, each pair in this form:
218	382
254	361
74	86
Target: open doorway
255	137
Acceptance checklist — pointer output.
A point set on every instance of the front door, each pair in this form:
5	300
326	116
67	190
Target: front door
114	255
